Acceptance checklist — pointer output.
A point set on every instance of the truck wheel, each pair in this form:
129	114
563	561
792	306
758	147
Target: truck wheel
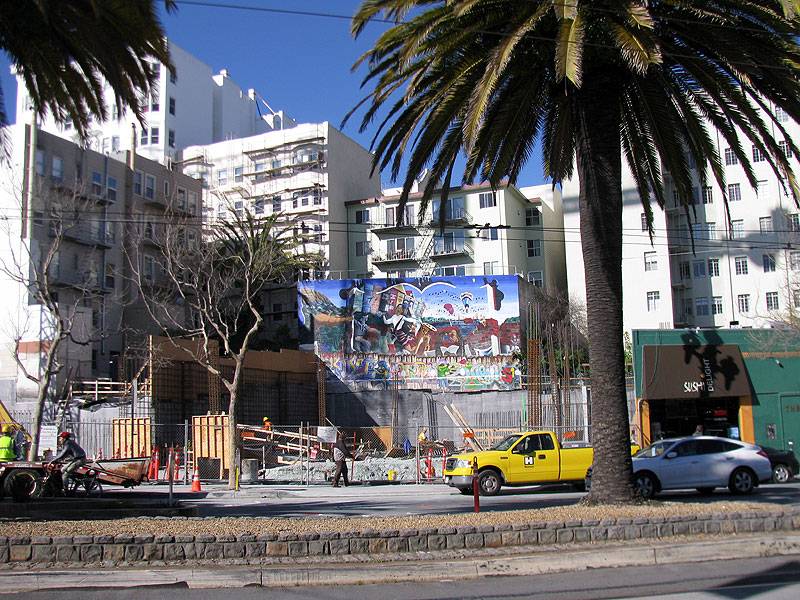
23	484
489	483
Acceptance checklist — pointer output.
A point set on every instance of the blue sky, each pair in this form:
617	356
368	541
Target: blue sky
299	63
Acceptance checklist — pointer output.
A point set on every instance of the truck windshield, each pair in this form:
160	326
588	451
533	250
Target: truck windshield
655	450
506	442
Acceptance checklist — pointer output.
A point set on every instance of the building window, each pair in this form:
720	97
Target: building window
181	197
535	277
533	216
111	188
238	174
768	261
143	137
171	138
708	194
716	305
172	106
734	192
362	216
489	233
765	224
149	187
652	301
138	177
772	301
41	167
57	172
762	187
487	199
743	300
784	146
192	202
713	267
730	157
154	101
701	306
796	297
699	268
793	222
740	263
97	183
650	261
154	135
794	261
737	229
491	268
222	177
534	248
644	222
362	248
758	154
781	115
115	143
276	204
685	270
166	188
704	231
455	271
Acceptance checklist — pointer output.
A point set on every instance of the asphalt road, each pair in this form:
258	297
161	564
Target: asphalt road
775	578
296	501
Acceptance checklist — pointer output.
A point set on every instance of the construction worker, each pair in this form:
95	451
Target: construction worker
71	450
7	451
423	436
267	424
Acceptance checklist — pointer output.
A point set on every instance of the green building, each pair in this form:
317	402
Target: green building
739	383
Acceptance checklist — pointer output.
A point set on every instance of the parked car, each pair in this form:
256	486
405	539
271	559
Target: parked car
700	462
784	464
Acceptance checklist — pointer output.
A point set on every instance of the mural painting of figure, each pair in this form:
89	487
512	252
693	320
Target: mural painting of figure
495	294
403	328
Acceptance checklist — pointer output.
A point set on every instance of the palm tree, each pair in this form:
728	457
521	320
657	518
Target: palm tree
65	50
590	82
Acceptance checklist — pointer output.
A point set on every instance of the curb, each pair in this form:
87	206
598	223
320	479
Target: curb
161	550
433	568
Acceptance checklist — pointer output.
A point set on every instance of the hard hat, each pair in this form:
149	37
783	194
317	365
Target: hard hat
64	435
6	429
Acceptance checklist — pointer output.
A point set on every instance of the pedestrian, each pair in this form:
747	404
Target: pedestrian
7	451
340	454
698	430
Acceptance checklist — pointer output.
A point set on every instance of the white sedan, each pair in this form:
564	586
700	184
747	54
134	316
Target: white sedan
700	462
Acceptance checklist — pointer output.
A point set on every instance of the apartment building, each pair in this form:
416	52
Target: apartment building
487	232
93	213
305	174
742	273
190	106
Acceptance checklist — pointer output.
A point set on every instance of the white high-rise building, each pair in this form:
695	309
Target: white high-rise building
487	232
188	107
305	173
745	273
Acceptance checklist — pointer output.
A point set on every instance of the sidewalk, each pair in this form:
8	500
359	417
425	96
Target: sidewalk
419	566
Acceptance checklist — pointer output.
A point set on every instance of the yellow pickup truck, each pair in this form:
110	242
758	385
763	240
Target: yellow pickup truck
528	458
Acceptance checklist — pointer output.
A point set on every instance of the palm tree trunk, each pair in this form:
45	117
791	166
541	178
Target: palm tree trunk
599	163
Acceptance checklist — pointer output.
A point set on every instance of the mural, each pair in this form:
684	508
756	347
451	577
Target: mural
445	332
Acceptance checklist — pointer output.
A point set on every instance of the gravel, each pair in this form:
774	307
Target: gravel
248	525
369	469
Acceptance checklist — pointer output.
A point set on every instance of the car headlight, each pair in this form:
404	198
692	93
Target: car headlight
462	464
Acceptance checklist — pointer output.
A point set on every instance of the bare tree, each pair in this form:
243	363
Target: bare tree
54	310
207	285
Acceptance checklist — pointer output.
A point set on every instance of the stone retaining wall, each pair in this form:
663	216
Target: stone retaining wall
129	550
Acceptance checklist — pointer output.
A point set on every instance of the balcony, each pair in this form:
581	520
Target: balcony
447	248
85	234
396	256
81	279
385	226
455	216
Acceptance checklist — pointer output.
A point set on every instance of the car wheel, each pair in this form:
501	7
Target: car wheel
465	491
781	474
742	481
706	491
23	484
645	485
489	483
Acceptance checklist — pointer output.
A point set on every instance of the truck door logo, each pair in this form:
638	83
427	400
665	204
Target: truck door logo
529	460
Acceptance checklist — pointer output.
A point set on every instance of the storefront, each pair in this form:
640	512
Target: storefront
742	383
686	387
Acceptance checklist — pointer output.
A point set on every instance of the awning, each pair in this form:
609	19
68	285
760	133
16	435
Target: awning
712	371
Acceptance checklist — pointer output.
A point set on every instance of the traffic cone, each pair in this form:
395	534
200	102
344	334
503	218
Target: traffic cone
196	481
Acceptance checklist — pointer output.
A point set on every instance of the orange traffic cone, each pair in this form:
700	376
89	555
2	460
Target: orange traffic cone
196	481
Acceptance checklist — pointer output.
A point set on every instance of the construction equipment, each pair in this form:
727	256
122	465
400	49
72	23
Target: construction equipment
466	431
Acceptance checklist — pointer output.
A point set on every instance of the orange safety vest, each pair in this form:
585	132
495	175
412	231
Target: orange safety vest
7	451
